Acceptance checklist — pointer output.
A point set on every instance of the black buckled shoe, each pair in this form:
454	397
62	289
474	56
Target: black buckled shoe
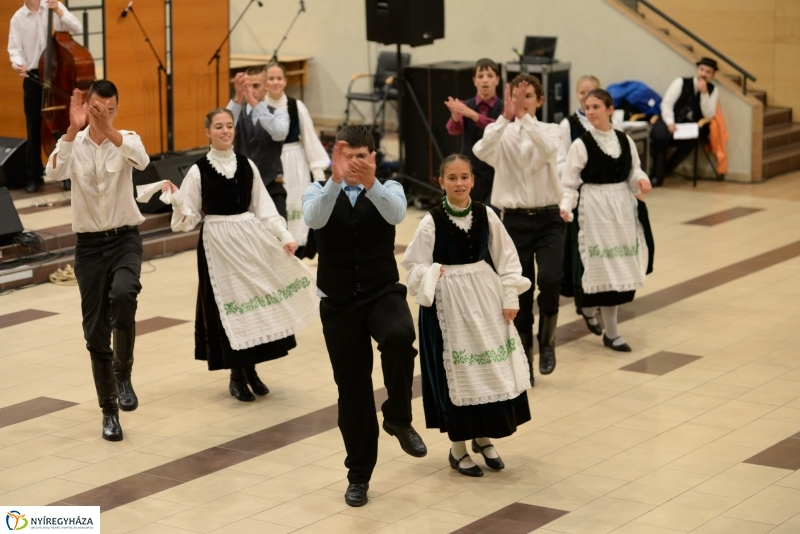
494	463
409	440
112	431
356	494
238	386
608	342
258	387
473	471
595	329
547	343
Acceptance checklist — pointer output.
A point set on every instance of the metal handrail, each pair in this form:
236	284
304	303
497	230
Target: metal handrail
746	75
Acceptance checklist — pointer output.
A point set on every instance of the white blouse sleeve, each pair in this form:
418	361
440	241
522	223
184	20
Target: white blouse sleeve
187	202
419	254
571	177
636	168
262	206
317	157
563	149
506	262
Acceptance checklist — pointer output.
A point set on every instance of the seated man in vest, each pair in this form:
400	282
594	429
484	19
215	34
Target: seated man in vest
354	217
686	100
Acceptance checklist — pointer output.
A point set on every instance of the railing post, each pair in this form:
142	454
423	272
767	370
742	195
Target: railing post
744	85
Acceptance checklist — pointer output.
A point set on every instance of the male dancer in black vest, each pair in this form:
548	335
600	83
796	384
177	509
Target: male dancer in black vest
686	100
261	137
354	216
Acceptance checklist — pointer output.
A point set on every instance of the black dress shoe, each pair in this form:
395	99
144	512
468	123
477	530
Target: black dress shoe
608	342
112	431
409	440
258	387
494	463
33	186
67	185
356	494
595	329
238	386
473	471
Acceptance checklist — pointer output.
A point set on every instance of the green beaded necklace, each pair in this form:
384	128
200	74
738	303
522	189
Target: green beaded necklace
454	211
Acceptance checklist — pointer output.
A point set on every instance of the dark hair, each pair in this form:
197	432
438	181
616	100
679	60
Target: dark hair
486	64
104	89
603	96
357	136
533	81
213	113
450	159
275	63
255	71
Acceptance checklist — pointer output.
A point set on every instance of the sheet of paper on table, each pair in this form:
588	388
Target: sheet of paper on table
686	130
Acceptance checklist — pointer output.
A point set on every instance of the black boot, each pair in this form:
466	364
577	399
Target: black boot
527	347
238	386
123	364
106	386
547	342
258	387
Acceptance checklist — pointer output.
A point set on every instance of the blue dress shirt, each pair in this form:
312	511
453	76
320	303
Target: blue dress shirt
318	201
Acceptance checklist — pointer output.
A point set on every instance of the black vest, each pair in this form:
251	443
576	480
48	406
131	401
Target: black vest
472	134
454	246
294	121
223	196
254	142
603	169
356	250
687	107
576	129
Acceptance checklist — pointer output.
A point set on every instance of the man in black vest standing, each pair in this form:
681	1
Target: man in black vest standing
686	100
261	137
354	217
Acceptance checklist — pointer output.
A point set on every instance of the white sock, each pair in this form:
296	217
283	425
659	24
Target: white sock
590	314
610	321
490	452
459	449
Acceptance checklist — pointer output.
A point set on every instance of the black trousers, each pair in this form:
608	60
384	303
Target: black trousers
278	195
538	238
660	141
108	271
32	99
349	329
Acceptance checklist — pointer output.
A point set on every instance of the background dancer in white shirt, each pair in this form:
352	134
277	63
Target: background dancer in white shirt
108	255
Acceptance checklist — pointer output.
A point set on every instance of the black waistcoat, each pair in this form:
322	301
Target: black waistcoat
453	245
294	121
576	129
356	250
254	142
603	169
687	107
224	196
472	134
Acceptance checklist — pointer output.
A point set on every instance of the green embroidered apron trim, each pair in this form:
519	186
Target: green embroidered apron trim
484	358
269	299
621	251
294	215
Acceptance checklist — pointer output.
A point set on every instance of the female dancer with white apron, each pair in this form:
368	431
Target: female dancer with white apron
253	294
612	247
474	371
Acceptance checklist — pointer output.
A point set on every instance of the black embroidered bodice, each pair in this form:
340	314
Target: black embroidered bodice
453	245
602	168
226	196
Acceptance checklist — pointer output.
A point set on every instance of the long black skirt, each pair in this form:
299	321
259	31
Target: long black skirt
210	340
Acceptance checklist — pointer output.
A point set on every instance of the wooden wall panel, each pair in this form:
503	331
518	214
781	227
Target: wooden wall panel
131	65
12	113
198	26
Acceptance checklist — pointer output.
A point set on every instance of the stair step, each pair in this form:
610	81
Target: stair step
738	79
781	135
781	160
688	46
665	30
774	115
761	95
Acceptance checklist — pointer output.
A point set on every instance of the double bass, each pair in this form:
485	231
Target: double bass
64	66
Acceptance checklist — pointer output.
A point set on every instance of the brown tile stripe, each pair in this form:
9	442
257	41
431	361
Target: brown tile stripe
23	411
24	316
783	455
660	363
723	216
399	249
36	209
154	324
516	518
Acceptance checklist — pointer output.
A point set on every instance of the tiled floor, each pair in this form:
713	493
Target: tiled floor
697	430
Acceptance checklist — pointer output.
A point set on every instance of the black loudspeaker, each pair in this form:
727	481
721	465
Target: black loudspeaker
172	169
12	162
432	84
405	22
10	225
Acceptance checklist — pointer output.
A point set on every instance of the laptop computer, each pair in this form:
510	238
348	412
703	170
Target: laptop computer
539	50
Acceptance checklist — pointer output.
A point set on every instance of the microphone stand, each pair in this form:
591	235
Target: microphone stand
168	76
285	35
216	56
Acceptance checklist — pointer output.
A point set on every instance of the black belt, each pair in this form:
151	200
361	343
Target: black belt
532	211
109	233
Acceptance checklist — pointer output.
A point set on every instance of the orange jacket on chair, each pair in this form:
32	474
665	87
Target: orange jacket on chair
718	141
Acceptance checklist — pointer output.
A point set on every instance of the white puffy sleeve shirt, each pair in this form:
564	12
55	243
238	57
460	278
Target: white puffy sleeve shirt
418	258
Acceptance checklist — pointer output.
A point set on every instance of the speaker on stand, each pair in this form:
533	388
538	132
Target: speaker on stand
12	162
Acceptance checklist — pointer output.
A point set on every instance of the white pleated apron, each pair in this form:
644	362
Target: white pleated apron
262	293
483	356
296	177
611	239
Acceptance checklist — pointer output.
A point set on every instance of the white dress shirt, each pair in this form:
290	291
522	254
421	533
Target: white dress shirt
523	154
27	37
275	123
419	256
566	139
188	200
316	156
102	179
708	102
578	156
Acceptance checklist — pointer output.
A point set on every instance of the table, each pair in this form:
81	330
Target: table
296	67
